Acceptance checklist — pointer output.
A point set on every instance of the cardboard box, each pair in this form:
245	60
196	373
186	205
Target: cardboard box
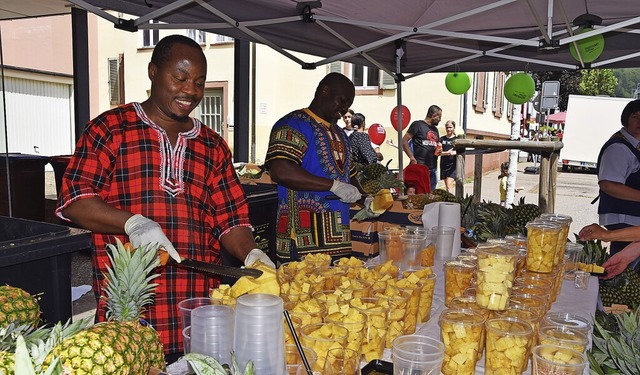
364	238
398	216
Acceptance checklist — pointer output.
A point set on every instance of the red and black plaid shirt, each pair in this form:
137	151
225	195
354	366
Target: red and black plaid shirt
191	190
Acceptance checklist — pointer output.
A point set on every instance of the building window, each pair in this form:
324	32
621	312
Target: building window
480	83
367	80
197	35
116	80
150	37
210	110
221	39
498	94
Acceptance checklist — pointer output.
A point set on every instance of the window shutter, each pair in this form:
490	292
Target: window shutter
387	82
114	81
335	67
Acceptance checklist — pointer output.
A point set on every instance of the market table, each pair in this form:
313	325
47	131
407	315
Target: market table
577	301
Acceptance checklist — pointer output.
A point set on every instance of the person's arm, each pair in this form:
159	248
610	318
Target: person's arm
596	232
407	149
621	260
96	215
620	191
239	242
293	176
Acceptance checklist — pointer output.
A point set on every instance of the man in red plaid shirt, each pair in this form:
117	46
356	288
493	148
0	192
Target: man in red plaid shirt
148	173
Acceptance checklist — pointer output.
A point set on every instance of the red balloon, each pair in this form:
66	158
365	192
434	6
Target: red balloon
406	117
377	134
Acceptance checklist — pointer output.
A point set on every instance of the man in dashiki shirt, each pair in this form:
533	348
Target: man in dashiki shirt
309	158
147	173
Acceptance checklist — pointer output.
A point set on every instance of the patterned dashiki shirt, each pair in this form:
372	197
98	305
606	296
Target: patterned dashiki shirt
313	223
190	189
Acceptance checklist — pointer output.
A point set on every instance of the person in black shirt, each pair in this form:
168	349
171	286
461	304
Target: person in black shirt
448	160
426	139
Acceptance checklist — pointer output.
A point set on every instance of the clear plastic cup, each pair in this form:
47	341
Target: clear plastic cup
569	320
444	242
322	337
294	360
342	361
416	354
565	224
398	302
462	332
457	278
186	338
212	331
572	253
494	277
186	307
564	337
259	333
507	345
553	359
390	246
542	244
412	247
375	332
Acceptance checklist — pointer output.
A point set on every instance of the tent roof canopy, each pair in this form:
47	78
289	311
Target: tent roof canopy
436	35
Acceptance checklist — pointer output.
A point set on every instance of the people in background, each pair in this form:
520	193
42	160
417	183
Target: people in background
361	150
619	176
448	156
308	157
148	174
347	118
426	138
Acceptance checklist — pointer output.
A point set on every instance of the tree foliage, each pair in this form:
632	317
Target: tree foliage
598	82
569	84
628	80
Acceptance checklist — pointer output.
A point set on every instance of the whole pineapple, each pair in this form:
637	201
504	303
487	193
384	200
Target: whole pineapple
18	306
124	344
520	214
616	344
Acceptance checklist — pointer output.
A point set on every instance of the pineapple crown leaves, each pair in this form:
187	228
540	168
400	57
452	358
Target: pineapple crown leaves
205	365
24	362
128	286
616	344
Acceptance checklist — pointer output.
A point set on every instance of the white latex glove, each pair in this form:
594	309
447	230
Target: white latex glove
258	255
347	192
143	231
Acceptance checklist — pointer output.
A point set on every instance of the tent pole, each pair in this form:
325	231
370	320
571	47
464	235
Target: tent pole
399	107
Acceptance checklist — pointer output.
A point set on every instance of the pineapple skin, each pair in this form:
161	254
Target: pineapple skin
6	362
111	348
18	306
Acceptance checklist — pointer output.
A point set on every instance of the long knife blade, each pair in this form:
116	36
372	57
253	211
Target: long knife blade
219	269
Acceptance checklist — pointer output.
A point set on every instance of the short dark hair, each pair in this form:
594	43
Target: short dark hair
433	109
631	108
162	50
357	120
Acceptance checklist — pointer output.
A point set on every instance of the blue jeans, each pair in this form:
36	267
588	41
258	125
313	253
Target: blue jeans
433	178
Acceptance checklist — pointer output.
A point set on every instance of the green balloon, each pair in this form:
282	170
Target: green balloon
590	48
519	88
457	83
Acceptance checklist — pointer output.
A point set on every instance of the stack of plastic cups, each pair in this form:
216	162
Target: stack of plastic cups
212	332
444	242
258	333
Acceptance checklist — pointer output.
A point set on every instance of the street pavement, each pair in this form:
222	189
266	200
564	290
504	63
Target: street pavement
574	193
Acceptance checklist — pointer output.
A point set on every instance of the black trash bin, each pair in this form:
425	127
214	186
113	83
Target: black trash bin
263	205
59	164
27	185
36	257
